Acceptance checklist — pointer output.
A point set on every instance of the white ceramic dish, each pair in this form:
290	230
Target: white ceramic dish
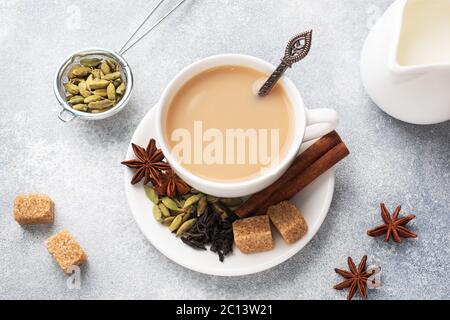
418	94
314	202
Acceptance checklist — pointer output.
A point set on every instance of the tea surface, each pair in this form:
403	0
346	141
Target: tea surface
210	104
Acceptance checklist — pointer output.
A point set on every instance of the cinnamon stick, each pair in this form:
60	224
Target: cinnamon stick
295	185
300	164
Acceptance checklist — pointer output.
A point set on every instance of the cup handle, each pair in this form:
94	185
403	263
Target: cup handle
319	122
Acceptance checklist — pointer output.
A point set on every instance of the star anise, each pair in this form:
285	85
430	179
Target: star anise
149	163
171	184
394	226
356	278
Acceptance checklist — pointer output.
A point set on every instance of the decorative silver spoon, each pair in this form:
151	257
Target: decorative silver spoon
297	49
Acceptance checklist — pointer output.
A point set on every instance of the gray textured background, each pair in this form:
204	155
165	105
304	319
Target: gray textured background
78	164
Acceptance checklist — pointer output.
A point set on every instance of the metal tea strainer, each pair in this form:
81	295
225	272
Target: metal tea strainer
67	113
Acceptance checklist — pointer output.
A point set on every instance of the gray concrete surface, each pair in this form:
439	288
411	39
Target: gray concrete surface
78	164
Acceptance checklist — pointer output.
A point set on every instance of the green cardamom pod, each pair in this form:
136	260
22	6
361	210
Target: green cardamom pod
171	205
105	68
82	86
85	93
165	212
168	221
186	226
90	62
70	74
101	92
151	194
76	100
157	213
80	107
186	216
121	89
97	74
117	82
81	72
89	80
92	98
111	76
192	200
76	80
179	202
113	65
71	88
98	84
201	207
103	104
176	223
111	91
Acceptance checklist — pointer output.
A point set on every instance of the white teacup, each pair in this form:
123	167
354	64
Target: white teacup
309	125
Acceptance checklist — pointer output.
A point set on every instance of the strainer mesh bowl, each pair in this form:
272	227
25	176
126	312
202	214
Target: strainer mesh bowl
67	113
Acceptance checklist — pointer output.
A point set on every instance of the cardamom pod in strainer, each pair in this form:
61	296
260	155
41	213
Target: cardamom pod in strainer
95	85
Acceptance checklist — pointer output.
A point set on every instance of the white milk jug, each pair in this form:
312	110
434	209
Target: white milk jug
405	62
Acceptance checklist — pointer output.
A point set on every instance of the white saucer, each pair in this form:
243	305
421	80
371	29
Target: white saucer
314	202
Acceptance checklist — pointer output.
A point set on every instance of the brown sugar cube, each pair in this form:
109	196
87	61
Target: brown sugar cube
288	220
253	234
33	209
65	250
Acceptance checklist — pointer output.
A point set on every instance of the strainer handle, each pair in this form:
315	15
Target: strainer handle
125	48
66	119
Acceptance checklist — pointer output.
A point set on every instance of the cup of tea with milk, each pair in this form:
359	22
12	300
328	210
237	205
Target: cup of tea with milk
221	137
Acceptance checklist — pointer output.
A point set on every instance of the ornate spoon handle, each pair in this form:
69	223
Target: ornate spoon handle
274	77
297	49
